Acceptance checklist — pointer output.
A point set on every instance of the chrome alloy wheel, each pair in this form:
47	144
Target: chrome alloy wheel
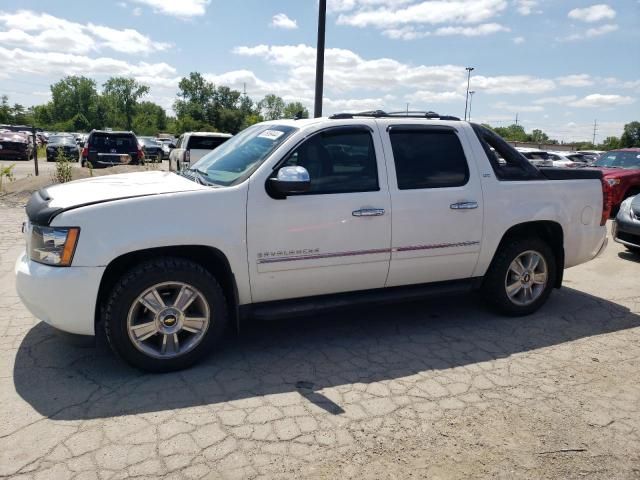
527	278
168	319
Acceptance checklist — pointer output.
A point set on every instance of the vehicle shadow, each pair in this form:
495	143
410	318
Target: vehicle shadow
304	355
632	257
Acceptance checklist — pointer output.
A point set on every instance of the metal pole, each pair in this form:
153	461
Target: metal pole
466	103
470	102
322	21
35	149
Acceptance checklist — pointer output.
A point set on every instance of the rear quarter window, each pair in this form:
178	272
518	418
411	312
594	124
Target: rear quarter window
205	143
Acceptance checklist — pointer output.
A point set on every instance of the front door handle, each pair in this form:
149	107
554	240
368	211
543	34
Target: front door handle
368	212
464	206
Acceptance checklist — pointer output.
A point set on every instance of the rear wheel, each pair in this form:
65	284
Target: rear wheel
521	276
165	314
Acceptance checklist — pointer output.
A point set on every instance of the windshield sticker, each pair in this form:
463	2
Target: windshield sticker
271	134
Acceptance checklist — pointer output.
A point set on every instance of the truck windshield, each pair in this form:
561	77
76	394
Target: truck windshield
619	160
236	159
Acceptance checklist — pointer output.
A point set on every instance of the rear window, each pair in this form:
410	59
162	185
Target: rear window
426	158
205	143
109	141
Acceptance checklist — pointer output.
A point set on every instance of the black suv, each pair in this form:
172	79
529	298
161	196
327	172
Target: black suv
64	145
106	149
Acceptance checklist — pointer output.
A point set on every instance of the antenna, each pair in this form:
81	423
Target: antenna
595	129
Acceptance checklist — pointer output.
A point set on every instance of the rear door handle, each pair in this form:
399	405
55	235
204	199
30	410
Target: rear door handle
464	206
368	212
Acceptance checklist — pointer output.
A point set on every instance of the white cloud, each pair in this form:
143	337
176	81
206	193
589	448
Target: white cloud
51	64
597	31
513	84
526	7
519	40
349	75
428	97
281	20
478	30
44	32
137	11
126	40
593	32
411	33
581	80
393	14
175	8
560	100
594	13
597	100
509	107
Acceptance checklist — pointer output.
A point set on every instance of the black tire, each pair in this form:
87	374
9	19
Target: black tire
494	284
635	250
136	281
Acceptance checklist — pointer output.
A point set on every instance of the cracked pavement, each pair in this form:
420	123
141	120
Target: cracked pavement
437	389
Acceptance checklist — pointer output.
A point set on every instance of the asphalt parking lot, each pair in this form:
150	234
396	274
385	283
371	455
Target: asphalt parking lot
435	389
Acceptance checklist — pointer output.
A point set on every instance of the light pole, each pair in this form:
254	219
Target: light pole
470	102
466	103
322	21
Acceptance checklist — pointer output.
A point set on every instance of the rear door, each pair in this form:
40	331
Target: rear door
114	148
437	203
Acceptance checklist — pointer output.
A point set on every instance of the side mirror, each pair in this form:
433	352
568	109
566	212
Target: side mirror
291	180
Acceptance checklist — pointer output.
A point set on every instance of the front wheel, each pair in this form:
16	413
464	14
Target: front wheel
521	276
165	314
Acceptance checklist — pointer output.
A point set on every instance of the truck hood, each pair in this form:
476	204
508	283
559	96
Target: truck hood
45	204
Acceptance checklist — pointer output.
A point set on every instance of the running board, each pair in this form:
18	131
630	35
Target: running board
318	304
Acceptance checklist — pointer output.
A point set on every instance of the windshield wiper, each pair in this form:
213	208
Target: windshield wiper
203	177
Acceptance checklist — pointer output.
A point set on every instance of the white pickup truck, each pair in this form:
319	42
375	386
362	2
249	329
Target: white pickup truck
295	216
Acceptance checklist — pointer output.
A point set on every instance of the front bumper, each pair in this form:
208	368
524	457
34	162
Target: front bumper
63	297
626	231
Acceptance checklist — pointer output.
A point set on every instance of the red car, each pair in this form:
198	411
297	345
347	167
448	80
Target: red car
15	145
621	171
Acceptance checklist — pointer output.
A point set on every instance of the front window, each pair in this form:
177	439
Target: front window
338	161
235	160
627	160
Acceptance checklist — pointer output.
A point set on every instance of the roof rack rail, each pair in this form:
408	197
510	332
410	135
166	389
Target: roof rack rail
404	114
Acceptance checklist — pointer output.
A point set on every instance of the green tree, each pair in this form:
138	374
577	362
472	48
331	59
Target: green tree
538	136
5	110
514	133
71	96
122	96
149	119
295	110
610	143
195	97
631	135
271	107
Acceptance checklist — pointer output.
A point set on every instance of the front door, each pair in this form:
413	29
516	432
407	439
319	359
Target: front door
437	204
334	238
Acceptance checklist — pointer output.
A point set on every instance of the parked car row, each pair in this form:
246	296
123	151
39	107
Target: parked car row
545	158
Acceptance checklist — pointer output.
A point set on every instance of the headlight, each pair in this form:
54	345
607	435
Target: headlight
53	245
625	207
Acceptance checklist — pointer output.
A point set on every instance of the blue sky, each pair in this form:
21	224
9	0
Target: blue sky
558	64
